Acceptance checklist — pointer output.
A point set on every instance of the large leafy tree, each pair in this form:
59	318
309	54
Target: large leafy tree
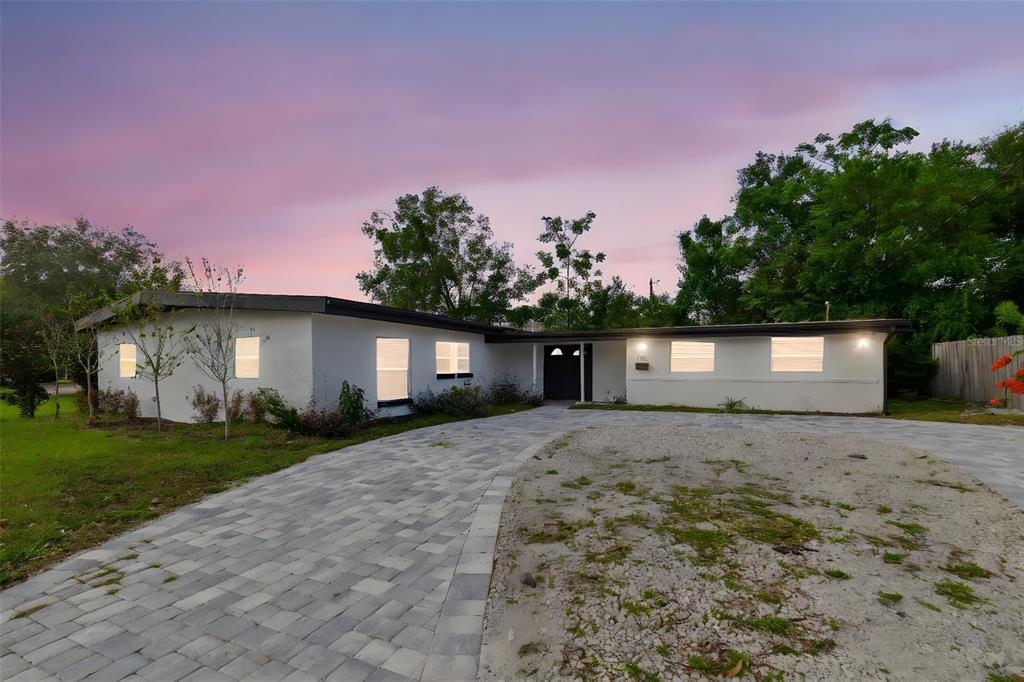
713	259
872	228
435	254
42	269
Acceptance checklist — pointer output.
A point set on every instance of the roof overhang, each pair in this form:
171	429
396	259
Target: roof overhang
286	303
883	326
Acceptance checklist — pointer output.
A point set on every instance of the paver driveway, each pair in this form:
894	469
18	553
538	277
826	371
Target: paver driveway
368	563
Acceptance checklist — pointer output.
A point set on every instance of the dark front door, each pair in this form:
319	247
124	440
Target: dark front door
562	372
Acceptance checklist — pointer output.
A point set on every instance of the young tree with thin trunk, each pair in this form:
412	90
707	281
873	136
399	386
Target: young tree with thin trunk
212	345
55	329
84	345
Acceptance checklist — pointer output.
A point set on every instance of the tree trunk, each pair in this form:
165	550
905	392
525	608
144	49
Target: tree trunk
159	419
56	391
88	394
227	416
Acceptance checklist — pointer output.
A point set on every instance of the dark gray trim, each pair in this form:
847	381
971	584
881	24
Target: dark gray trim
453	375
298	304
394	403
765	329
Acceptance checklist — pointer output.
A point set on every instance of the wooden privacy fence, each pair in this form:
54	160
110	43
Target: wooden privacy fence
964	368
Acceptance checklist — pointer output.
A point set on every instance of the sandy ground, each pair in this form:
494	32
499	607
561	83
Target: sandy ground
674	553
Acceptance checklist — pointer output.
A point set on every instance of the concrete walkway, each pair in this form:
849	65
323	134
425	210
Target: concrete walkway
370	563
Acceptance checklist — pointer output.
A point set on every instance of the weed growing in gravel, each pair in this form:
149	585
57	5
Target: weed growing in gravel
557	530
731	665
883	509
170	578
551	472
910	528
945	484
612	555
890	598
837	574
928	605
775	625
580	482
967	570
959	595
635	672
894	557
638	519
720	466
745	511
531	648
630	488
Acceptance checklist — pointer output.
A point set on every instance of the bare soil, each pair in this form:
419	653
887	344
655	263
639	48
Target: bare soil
676	553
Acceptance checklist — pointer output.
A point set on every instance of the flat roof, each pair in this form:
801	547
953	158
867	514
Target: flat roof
328	305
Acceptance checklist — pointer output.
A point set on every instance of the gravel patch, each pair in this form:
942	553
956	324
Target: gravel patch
677	553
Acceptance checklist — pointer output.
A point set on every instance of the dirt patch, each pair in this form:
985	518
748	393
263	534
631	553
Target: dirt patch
673	553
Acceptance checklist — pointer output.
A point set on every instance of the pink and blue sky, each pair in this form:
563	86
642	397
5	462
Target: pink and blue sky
263	134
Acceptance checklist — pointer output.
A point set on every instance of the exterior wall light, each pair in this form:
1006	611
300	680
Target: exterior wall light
642	346
863	342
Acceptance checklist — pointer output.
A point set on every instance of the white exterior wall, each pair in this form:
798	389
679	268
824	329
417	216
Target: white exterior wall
345	349
609	371
852	380
286	363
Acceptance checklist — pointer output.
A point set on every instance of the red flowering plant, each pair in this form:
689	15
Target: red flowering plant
1015	384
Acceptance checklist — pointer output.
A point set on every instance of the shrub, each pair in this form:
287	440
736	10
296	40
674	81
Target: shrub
237	406
281	415
27	396
731	404
533	397
458	401
505	390
120	403
352	405
256	404
205	405
350	414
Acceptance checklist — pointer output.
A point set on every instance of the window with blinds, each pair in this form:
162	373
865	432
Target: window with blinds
798	354
451	357
126	356
247	357
693	356
392	369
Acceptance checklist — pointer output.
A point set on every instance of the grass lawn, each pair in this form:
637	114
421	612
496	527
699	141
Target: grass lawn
65	486
922	410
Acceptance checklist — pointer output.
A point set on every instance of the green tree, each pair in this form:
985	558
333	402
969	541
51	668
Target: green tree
872	228
434	254
713	260
569	267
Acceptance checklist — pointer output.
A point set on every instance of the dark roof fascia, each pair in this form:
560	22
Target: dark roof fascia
184	299
298	304
373	311
889	326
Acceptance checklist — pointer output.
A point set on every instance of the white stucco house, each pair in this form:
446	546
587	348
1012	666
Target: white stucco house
305	346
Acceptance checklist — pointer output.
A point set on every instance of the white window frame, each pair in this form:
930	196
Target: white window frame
123	360
396	398
699	361
246	355
449	352
798	354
